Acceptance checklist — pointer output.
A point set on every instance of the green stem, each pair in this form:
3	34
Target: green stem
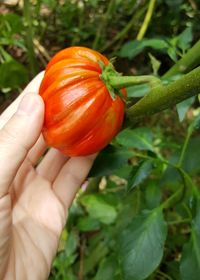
127	81
187	138
29	38
163	97
188	62
172	199
164	275
178	222
103	23
124	31
147	20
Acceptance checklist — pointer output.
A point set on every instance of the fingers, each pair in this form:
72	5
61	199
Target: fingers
71	177
37	150
18	136
32	88
51	164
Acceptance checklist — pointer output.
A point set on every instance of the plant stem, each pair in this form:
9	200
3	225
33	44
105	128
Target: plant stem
103	24
147	20
187	138
178	222
29	38
190	60
163	97
172	199
124	31
127	81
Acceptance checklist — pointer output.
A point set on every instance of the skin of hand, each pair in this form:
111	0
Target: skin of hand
34	197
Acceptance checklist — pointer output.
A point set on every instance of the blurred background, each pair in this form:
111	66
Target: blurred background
146	37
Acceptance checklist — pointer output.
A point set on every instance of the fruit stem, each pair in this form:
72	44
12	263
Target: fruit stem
119	82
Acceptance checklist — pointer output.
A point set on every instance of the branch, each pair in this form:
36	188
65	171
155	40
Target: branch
29	38
188	62
147	20
163	97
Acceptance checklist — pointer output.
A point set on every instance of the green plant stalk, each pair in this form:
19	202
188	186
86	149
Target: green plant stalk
103	24
189	61
163	97
119	82
147	20
172	200
120	35
178	222
29	38
187	138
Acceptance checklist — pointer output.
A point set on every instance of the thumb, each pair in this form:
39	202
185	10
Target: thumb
17	137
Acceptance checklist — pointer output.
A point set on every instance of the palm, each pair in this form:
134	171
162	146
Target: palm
38	214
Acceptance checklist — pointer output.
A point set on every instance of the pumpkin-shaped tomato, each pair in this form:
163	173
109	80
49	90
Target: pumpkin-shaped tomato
81	117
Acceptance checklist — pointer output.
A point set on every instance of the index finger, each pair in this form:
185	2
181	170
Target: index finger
32	87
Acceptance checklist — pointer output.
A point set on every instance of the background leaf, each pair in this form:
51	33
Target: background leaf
99	209
109	160
139	174
139	138
190	261
141	245
183	107
18	74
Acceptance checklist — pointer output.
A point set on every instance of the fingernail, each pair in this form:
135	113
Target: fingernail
27	105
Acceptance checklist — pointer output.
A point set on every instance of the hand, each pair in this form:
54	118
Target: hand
34	201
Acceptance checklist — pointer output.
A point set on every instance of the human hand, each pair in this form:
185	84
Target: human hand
34	200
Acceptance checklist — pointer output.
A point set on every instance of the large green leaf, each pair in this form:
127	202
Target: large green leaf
139	138
141	245
99	209
109	160
190	261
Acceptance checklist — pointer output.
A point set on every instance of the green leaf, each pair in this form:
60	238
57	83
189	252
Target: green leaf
183	107
155	63
67	257
139	174
107	269
133	48
71	244
185	39
172	53
190	261
108	160
191	162
96	255
138	91
153	194
141	245
139	138
99	209
124	171
12	23
12	74
87	224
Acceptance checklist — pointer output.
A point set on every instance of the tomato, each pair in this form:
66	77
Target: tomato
81	117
